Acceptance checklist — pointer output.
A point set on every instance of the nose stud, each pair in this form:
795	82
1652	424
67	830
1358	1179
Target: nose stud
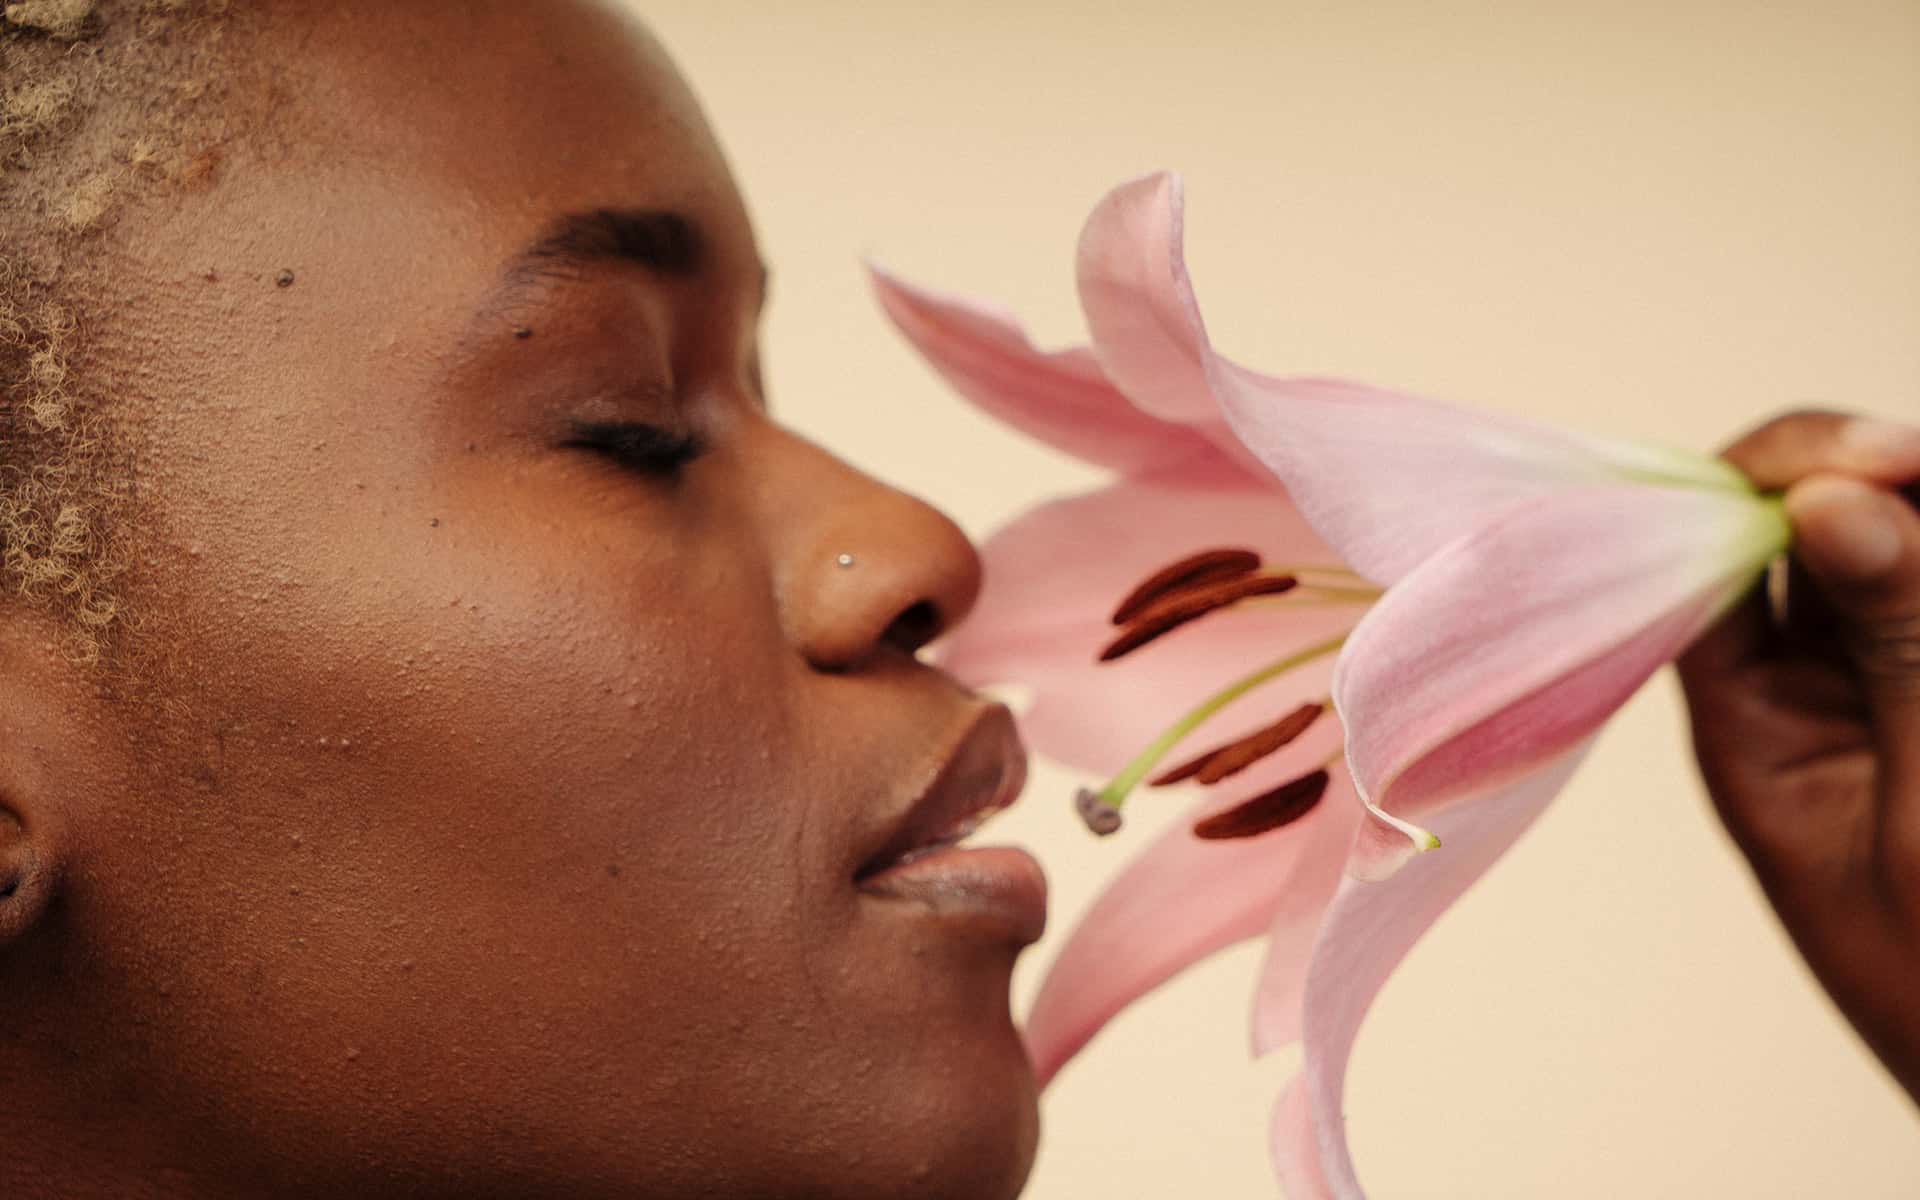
844	561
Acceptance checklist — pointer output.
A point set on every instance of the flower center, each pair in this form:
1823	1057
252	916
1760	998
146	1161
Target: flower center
1198	586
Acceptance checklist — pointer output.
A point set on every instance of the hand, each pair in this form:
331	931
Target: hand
1807	723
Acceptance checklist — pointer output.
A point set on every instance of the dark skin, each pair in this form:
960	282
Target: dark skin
489	824
1807	722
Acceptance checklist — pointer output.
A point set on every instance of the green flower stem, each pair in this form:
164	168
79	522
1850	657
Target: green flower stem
1310	569
1115	793
1308	595
1776	503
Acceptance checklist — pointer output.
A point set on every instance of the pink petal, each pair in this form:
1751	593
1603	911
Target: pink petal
1368	930
1063	398
1139	303
1054	575
1522	638
1141	312
1052	578
1389	478
1183	899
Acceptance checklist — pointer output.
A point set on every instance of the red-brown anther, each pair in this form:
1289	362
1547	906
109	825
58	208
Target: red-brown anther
1268	811
1175	609
1180	774
1208	566
1226	761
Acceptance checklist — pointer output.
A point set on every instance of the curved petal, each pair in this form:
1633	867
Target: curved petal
1141	311
1389	479
1054	575
1061	397
1523	637
1139	302
1183	899
1294	926
1368	930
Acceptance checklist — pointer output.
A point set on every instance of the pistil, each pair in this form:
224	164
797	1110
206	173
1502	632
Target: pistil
1306	595
1101	809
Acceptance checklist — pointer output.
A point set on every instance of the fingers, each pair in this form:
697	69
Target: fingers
1738	638
1775	456
1787	449
1858	544
1807	718
1861	546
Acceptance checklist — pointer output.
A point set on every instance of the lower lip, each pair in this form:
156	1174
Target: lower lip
996	889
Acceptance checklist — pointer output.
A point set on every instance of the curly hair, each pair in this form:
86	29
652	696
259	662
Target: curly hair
103	105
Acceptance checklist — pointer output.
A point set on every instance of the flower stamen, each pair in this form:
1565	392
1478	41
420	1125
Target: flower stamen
1208	566
1101	810
1100	815
1269	810
1347	576
1224	762
1177	608
1312	595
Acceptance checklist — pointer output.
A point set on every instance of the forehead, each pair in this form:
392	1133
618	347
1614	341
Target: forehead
513	110
412	155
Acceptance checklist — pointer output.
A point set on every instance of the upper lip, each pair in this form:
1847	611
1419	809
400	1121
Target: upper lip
981	773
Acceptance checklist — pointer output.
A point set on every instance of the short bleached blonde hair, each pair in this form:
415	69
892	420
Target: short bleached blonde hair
103	104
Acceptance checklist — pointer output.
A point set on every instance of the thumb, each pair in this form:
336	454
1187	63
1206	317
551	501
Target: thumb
1861	545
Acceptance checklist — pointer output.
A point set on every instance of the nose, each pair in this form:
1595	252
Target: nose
860	567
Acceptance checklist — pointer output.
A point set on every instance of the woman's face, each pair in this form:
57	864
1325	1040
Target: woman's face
540	716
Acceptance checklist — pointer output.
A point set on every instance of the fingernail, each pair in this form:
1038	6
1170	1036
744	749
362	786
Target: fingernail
1887	444
1843	528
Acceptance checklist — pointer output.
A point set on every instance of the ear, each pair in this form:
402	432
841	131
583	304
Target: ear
26	877
35	715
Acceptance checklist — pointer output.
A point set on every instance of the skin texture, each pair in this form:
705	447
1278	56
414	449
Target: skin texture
484	823
488	823
1807	722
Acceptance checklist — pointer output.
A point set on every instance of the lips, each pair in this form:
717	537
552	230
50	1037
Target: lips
982	775
922	859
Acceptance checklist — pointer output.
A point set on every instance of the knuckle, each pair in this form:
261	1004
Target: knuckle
1888	655
1893	875
1804	415
1792	423
1896	884
1770	447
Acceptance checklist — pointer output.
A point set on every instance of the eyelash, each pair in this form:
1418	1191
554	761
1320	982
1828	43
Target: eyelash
648	449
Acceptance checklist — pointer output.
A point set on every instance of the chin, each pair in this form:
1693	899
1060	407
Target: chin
994	1161
981	1150
950	1112
978	1125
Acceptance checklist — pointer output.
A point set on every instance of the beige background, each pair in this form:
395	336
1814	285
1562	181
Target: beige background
1661	220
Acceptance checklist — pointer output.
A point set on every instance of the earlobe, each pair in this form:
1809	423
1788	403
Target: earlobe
26	879
36	732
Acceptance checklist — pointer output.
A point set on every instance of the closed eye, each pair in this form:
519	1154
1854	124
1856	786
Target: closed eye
648	449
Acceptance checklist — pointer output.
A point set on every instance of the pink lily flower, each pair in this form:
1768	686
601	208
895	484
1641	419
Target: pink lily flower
1523	582
1052	577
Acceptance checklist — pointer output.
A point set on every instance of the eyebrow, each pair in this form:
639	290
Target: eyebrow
666	243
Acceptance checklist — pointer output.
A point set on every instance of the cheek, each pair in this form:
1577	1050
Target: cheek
501	820
512	674
464	725
498	792
601	728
